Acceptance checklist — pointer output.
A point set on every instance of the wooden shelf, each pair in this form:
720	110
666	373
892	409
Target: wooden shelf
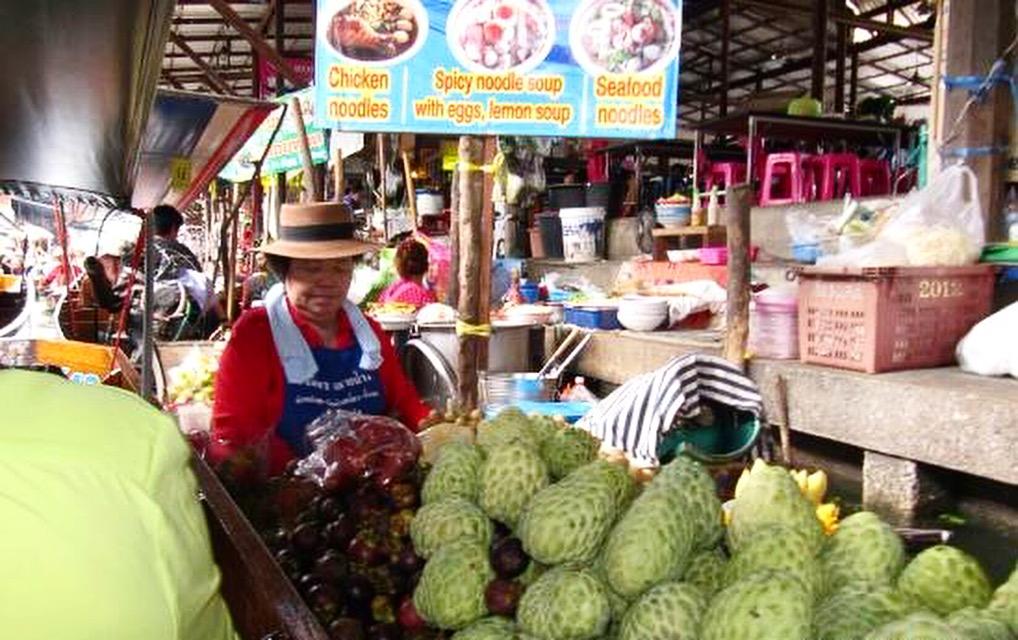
679	232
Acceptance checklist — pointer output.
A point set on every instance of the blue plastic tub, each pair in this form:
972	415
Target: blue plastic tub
593	317
806	253
531	292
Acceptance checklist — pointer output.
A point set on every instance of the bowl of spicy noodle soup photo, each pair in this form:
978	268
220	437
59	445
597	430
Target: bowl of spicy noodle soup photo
374	32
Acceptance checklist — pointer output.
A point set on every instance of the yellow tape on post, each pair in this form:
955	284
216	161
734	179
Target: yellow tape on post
476	330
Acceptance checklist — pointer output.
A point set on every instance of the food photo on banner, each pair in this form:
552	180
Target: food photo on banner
591	68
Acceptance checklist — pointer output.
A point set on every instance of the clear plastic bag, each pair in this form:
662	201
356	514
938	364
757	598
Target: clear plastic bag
351	446
940	226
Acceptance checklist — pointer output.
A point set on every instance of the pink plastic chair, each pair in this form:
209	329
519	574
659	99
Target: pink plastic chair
874	177
839	175
784	179
724	174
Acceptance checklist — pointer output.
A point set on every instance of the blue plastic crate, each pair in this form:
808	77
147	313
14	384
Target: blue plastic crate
592	317
569	411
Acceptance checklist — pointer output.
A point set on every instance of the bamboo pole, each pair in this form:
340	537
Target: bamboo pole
411	192
310	186
472	311
737	206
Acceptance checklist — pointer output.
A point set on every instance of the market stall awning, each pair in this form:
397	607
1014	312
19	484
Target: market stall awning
78	83
188	140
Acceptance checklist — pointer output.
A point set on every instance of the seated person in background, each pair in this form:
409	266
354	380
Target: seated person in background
258	283
103	532
412	266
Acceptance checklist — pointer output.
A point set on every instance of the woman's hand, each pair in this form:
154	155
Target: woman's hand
430	420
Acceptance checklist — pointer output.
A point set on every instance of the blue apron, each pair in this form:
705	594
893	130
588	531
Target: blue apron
340	383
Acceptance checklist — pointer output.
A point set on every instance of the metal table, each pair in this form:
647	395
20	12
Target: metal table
769	125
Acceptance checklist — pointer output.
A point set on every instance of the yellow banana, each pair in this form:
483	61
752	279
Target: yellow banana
827	514
816	486
742	481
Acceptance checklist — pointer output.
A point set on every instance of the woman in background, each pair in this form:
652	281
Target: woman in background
412	267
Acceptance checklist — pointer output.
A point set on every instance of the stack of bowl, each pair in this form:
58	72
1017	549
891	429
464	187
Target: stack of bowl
641	313
673	215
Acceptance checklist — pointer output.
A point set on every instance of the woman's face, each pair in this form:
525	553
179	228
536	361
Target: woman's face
318	287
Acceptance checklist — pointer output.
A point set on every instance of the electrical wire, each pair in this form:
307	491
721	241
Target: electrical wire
977	95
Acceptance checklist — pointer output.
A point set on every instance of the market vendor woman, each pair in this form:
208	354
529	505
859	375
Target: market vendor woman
308	349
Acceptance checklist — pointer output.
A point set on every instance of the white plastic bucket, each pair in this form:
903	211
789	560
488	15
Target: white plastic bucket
582	233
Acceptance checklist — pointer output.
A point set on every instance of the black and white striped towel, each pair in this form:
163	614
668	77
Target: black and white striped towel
635	416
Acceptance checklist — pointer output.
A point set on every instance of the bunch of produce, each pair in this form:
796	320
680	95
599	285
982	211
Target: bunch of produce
527	535
194	378
348	553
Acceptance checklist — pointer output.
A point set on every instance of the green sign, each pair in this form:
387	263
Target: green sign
284	154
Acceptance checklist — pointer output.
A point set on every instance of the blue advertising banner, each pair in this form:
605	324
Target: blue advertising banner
581	68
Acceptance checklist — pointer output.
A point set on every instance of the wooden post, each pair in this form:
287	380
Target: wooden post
726	36
488	152
471	237
839	70
737	205
970	41
338	177
853	84
231	275
305	151
819	50
411	196
454	242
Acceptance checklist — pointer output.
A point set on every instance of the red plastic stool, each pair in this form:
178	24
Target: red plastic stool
875	177
840	175
812	183
725	174
783	179
906	179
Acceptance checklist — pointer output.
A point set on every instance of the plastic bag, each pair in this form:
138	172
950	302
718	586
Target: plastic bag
991	347
940	226
349	446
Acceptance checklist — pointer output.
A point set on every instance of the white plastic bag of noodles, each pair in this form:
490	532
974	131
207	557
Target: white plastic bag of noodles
940	226
991	347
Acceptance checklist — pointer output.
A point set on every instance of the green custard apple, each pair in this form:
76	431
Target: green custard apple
669	611
856	609
565	604
439	523
764	606
493	628
917	626
510	476
863	549
456	474
944	579
450	593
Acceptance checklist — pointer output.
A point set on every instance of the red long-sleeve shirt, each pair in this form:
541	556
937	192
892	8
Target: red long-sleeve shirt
250	386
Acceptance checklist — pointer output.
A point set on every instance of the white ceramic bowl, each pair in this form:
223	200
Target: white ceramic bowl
641	322
644	305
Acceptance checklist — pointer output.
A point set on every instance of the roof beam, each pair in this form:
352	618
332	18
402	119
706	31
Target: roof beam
257	42
843	18
215	81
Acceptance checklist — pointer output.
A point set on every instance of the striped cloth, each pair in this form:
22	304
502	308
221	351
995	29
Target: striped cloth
635	416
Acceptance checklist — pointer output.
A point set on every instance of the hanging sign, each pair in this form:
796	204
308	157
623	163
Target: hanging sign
590	68
180	173
284	155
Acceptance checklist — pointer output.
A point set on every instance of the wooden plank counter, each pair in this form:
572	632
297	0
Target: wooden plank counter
941	417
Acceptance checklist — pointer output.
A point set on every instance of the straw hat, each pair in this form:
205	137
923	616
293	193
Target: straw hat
317	231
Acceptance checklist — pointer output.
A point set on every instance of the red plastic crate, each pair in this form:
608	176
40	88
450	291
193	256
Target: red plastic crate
889	319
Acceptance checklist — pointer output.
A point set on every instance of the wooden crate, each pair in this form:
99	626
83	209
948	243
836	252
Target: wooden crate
262	601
